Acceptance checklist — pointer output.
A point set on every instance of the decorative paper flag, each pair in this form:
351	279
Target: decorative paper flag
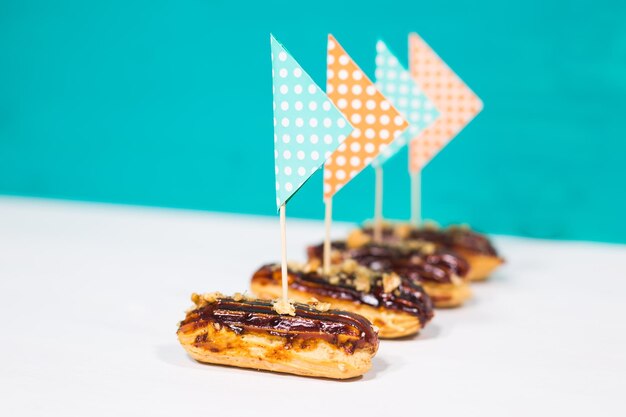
396	83
452	97
376	122
307	125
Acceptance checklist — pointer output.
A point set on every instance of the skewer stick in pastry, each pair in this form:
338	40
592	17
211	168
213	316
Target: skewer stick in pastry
308	340
456	102
295	158
397	306
476	248
281	336
419	111
377	124
441	273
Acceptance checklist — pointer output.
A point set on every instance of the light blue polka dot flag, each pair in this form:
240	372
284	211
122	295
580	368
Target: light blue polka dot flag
396	83
307	125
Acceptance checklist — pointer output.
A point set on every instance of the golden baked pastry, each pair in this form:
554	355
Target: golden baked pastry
476	248
308	340
482	264
395	305
441	273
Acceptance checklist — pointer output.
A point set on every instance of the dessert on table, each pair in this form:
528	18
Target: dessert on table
440	272
476	248
396	305
324	318
295	338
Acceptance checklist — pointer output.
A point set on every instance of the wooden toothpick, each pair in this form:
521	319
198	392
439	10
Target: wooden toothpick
283	264
378	204
328	216
416	198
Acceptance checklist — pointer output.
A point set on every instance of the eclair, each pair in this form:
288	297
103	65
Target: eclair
397	306
476	248
301	339
441	273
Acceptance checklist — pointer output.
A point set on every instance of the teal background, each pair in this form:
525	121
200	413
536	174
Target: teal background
168	103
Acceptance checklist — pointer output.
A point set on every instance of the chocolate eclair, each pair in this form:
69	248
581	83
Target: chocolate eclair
476	248
397	306
309	340
441	273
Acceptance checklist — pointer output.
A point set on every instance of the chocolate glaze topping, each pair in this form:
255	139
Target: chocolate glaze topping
438	267
408	297
457	238
308	323
452	238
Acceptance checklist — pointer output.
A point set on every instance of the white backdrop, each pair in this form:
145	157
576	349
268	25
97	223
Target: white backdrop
90	296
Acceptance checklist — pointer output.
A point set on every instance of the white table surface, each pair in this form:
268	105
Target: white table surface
90	296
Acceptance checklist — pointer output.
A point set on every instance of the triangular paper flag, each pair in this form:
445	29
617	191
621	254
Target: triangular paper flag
376	122
395	81
307	125
455	101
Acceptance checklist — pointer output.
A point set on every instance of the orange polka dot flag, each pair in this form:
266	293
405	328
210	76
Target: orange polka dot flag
456	102
376	122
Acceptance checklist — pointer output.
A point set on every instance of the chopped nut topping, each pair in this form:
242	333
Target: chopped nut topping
403	231
201	300
349	266
430	248
217	326
336	256
430	225
284	307
211	297
313	265
294	266
322	306
347	272
318	305
357	238
391	281
353	274
423	246
195	298
206	298
362	281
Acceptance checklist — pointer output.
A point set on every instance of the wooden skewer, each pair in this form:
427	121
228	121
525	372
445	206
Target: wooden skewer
378	204
328	216
283	265
416	198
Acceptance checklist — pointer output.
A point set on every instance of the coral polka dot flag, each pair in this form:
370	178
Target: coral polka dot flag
457	103
376	122
307	125
395	81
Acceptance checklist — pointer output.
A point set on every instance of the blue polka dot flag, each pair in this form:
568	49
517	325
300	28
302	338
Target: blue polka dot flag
307	125
396	83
